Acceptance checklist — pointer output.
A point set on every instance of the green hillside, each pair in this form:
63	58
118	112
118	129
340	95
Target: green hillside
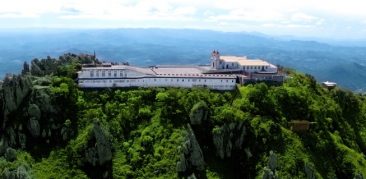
52	129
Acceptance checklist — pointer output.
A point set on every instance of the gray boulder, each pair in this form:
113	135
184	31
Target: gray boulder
181	164
192	157
34	127
34	111
268	174
272	161
20	172
228	137
10	154
198	113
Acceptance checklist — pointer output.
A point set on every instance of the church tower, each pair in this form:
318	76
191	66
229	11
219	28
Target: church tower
94	56
215	60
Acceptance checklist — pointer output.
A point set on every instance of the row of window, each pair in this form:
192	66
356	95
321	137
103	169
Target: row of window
234	65
189	80
103	73
155	80
214	86
254	67
193	75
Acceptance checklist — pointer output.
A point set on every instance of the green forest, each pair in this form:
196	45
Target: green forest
52	129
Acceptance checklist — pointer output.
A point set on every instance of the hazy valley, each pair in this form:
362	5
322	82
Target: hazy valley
343	64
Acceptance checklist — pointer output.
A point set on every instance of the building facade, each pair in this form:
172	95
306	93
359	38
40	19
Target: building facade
230	63
223	74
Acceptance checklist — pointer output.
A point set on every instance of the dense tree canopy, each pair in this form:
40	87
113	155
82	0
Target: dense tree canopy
52	129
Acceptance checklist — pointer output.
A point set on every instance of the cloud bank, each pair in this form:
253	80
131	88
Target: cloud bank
325	18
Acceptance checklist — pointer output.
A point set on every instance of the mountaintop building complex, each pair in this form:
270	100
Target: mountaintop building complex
223	73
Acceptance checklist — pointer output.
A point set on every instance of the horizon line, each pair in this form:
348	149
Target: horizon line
254	33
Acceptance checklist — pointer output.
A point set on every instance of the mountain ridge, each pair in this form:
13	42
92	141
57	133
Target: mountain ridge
146	47
51	128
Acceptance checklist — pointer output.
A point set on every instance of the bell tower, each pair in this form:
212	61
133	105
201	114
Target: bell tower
215	60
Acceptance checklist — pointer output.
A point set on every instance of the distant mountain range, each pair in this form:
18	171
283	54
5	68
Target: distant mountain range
343	64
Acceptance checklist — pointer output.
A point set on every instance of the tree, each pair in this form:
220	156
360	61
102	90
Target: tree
26	68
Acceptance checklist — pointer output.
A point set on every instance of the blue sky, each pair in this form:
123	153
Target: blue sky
303	18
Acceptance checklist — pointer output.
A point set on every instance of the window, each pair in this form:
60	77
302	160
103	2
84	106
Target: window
97	74
109	73
92	73
103	73
120	73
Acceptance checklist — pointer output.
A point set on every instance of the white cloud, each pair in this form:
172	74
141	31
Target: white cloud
302	17
283	15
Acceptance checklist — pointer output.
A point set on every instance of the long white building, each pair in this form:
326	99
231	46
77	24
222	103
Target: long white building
223	74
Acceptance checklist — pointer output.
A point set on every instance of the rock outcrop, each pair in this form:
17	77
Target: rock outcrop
21	172
94	152
269	172
191	161
10	154
229	137
30	116
14	90
198	113
101	152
